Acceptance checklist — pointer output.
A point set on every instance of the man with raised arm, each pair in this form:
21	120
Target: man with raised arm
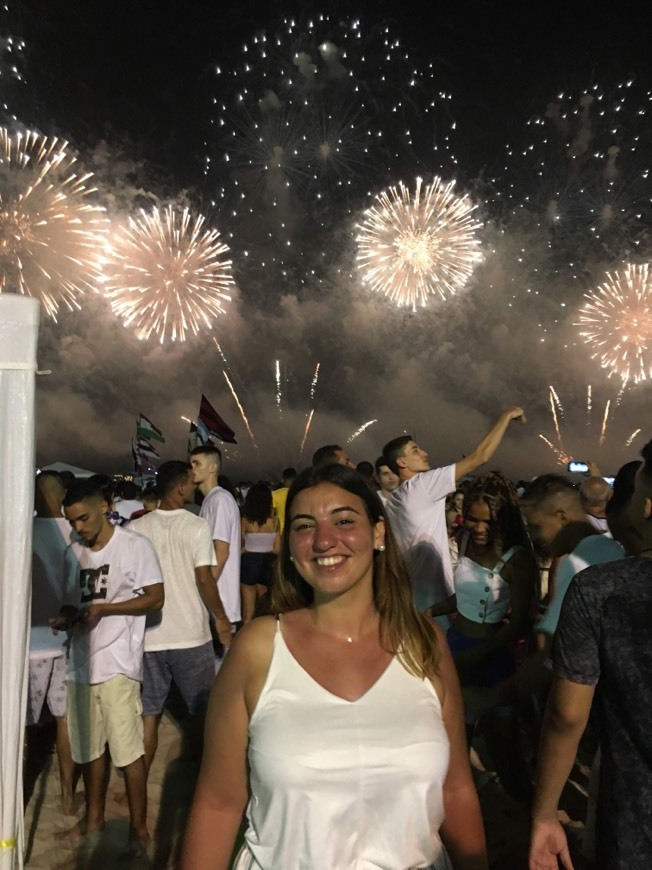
417	509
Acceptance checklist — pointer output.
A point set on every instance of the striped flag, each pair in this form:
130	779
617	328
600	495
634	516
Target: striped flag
148	430
144	447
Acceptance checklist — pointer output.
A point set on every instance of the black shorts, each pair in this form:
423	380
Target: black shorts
256	568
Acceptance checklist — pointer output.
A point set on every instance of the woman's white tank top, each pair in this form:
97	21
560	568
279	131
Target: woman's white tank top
339	784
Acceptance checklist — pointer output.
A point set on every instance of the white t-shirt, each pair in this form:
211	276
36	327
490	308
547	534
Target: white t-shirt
117	572
599	523
221	510
127	506
417	514
182	542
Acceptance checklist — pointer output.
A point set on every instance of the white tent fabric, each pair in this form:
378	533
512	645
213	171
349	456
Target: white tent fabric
19	318
81	473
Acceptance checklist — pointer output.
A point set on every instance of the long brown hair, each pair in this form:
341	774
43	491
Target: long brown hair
404	632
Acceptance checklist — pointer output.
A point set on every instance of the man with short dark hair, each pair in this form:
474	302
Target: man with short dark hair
113	580
417	509
387	480
604	638
220	509
180	648
331	454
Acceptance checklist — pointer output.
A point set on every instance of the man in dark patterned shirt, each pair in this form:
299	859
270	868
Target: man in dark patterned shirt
604	636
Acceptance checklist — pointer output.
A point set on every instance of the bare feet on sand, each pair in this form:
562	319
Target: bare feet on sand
70	804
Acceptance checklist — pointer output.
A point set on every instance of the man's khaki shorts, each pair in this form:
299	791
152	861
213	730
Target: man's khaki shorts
102	713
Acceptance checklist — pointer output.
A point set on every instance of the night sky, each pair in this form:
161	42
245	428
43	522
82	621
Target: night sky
140	76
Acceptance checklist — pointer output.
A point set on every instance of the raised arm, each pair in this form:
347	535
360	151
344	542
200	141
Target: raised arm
489	444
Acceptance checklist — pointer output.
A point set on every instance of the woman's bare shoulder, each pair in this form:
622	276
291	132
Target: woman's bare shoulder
256	638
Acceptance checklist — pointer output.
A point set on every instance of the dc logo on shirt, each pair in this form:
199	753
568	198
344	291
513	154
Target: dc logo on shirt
93	582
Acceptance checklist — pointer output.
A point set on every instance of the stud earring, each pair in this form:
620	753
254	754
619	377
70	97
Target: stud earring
291	558
381	549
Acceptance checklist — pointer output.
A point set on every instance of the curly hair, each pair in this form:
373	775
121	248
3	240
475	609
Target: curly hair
404	631
501	497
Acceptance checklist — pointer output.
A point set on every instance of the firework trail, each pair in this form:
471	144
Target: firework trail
589	404
241	409
305	434
553	408
51	235
562	458
165	274
278	389
603	431
621	392
558	403
360	430
411	247
628	443
313	385
616	323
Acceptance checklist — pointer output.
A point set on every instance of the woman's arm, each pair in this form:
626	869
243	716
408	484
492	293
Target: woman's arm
462	831
221	793
448	605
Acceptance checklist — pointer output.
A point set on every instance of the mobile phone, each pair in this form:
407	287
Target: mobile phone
580	467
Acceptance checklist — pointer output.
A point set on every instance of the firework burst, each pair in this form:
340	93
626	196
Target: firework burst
616	322
411	247
165	274
51	234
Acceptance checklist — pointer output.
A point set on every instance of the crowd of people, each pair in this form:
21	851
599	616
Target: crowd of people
340	641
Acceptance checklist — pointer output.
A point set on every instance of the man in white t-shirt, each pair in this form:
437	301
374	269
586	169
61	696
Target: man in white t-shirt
417	509
180	648
113	579
220	509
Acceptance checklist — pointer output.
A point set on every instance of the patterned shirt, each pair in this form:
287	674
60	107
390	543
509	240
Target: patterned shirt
605	636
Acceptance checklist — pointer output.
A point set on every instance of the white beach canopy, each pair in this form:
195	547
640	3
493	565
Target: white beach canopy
80	473
19	317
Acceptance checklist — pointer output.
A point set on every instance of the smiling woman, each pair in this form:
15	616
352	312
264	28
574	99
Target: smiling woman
344	707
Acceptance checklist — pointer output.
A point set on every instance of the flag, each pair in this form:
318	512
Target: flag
203	435
148	430
198	435
137	461
145	448
214	423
